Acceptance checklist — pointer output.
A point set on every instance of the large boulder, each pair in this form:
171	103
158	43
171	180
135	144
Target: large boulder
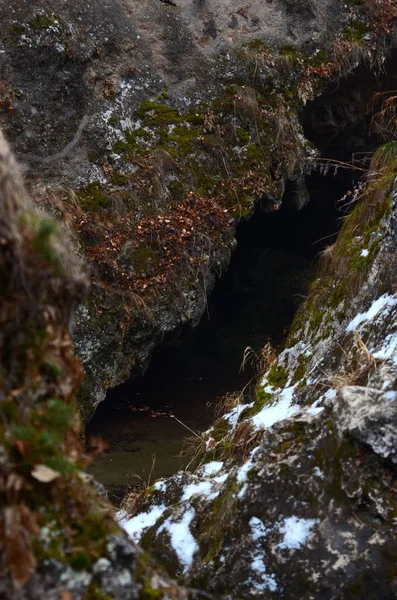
294	494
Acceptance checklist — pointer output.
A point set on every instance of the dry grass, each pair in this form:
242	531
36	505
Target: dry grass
243	440
359	364
135	494
347	55
260	361
246	103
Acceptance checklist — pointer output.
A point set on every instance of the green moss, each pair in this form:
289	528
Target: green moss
144	578
118	178
218	521
144	261
94	592
243	136
277	376
41	21
290	52
356	31
158	113
17	29
316	318
261	399
317	59
220	430
114	120
44	242
92	197
256	44
80	560
50	369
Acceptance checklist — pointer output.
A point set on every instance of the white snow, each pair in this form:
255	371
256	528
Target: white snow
269	415
242	473
160	485
241	493
388	349
364	252
314	409
234	414
246	467
296	531
212	468
318	472
330	394
221	478
182	541
203	487
385	301
268	581
136	526
258	530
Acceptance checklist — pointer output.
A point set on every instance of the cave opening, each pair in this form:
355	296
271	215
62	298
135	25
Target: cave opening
252	303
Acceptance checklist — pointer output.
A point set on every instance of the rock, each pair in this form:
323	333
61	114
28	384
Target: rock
193	115
370	416
302	503
58	538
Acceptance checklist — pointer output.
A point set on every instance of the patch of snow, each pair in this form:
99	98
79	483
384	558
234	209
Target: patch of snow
242	473
269	415
386	384
233	415
385	301
317	471
241	493
330	394
296	531
388	349
246	467
364	253
182	541
268	582
136	526
221	478
203	487
212	468
258	530
314	410
160	486
390	396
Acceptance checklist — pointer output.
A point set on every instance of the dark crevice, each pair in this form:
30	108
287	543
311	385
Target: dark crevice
254	302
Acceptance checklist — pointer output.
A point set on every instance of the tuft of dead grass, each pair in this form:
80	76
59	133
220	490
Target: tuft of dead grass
359	364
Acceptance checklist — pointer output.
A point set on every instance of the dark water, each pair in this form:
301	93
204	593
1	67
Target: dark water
254	302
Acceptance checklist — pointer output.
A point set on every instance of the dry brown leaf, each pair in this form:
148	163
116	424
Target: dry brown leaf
19	522
44	474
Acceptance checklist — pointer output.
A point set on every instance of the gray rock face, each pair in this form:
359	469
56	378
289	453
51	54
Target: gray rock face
61	61
370	416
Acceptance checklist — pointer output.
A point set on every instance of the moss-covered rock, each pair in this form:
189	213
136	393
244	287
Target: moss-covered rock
57	535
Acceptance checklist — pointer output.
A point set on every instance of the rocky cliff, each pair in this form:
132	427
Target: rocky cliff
58	538
151	128
294	496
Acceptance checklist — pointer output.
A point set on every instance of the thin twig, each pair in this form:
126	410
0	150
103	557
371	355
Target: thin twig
186	427
34	158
